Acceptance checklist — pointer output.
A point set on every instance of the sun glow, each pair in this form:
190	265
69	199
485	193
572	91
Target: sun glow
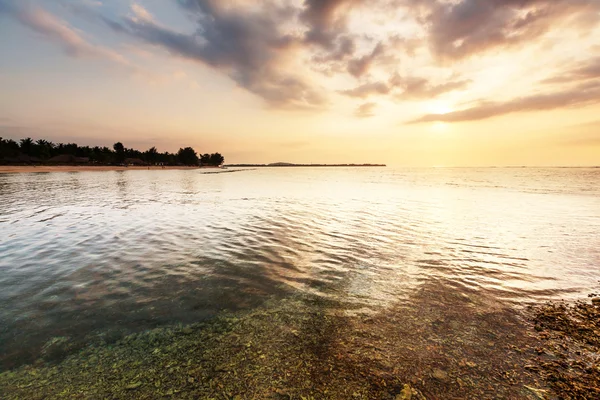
439	108
440	127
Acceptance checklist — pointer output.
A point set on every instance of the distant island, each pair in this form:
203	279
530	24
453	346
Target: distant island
43	152
284	164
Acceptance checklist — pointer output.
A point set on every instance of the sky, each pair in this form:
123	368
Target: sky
401	82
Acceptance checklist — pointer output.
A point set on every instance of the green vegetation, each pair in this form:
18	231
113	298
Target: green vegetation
28	151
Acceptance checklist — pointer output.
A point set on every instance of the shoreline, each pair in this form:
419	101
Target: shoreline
10	169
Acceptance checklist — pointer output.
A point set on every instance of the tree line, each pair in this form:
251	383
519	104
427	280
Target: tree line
29	151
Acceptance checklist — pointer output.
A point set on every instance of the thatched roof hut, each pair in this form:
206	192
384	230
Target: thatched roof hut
63	159
134	161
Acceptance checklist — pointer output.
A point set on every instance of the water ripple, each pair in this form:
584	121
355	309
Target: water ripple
83	253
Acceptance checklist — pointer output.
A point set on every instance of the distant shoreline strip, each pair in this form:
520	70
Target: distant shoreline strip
301	165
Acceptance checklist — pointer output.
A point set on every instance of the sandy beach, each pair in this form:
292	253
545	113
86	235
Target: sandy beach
9	169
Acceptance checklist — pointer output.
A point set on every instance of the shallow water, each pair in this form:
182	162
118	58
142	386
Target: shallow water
102	254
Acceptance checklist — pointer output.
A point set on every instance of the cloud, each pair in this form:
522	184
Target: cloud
405	88
580	96
365	110
141	13
589	69
274	48
249	44
458	29
326	20
421	88
359	66
368	89
58	31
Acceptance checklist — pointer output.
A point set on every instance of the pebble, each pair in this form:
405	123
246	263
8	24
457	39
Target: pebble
440	374
409	393
405	394
134	385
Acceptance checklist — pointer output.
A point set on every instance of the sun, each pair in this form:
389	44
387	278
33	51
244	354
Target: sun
439	108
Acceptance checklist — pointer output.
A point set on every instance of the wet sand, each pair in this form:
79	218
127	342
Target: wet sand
9	169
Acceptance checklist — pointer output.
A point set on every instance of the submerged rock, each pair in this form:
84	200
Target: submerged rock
409	393
568	357
133	385
301	347
440	374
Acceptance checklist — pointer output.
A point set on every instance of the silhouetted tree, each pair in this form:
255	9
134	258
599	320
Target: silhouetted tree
8	148
151	155
216	159
187	156
120	152
43	149
26	146
69	148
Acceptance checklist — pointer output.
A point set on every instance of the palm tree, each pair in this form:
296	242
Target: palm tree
151	155
44	148
26	145
120	150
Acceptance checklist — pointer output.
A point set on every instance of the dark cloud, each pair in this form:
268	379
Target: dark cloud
254	45
581	95
249	45
460	29
365	110
326	20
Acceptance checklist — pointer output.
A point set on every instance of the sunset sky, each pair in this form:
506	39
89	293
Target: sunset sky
404	82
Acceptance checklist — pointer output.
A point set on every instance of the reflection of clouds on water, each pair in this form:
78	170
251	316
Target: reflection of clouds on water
93	252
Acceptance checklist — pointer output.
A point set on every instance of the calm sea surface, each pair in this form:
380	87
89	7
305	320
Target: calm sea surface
101	254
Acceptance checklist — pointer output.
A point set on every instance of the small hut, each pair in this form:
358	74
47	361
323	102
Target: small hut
134	161
63	159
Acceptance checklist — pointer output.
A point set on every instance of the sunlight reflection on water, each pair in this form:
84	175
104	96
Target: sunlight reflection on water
108	251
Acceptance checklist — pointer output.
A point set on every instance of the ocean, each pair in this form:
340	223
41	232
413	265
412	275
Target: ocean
87	258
